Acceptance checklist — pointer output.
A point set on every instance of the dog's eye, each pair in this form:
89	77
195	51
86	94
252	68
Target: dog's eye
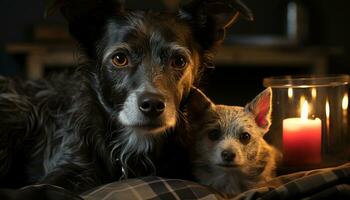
120	60
214	135
179	62
244	138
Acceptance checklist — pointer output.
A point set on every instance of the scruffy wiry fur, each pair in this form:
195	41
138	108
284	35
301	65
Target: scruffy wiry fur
88	128
218	128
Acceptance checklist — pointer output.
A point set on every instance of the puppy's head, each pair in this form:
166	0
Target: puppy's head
143	63
230	138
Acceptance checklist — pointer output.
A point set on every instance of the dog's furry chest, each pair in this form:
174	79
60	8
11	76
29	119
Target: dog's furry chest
55	143
61	147
56	152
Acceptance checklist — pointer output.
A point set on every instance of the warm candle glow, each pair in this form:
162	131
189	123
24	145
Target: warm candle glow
345	102
290	93
302	138
304	111
314	93
302	100
327	109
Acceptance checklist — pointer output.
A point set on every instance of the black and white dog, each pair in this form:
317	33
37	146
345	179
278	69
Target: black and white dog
114	116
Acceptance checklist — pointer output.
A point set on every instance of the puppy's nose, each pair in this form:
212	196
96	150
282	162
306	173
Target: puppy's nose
151	105
227	156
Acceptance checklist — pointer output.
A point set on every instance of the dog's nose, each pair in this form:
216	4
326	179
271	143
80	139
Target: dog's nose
151	104
227	156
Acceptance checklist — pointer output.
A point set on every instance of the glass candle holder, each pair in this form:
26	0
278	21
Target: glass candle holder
310	120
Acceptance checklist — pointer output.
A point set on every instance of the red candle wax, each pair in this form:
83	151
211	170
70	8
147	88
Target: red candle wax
302	141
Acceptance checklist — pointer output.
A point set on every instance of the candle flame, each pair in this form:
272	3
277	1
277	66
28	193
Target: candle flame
305	110
345	102
314	93
290	93
327	109
302	100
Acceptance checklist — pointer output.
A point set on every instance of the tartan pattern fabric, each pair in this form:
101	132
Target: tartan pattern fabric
152	188
329	183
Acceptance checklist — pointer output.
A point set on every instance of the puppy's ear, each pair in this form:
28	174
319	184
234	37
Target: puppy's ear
86	18
261	108
198	104
211	18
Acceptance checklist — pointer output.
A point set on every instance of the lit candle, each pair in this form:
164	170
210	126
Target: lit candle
328	114
314	93
345	105
290	93
302	139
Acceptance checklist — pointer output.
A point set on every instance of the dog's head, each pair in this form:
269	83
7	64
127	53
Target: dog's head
143	63
230	137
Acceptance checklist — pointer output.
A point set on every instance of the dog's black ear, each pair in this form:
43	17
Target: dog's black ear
198	104
211	18
86	18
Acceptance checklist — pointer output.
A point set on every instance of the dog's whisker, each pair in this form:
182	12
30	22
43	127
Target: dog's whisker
181	116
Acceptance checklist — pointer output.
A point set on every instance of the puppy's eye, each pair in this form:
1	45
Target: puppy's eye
178	62
120	60
244	138
214	135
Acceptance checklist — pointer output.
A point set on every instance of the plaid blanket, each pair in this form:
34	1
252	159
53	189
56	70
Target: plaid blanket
330	183
152	188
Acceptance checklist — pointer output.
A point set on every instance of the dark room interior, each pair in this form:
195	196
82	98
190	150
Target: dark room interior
287	39
327	34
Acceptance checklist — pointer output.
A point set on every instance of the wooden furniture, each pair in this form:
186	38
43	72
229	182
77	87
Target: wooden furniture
316	58
40	56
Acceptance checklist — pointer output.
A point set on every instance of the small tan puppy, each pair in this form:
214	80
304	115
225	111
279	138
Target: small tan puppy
230	153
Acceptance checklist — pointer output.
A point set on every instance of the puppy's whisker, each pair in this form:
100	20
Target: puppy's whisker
181	116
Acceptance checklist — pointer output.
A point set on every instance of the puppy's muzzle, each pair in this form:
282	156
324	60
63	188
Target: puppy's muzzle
151	105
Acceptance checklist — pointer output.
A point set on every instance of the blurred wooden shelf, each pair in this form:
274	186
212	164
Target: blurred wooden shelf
316	58
41	55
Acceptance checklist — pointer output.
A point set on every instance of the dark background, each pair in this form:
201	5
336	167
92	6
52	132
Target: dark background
230	84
